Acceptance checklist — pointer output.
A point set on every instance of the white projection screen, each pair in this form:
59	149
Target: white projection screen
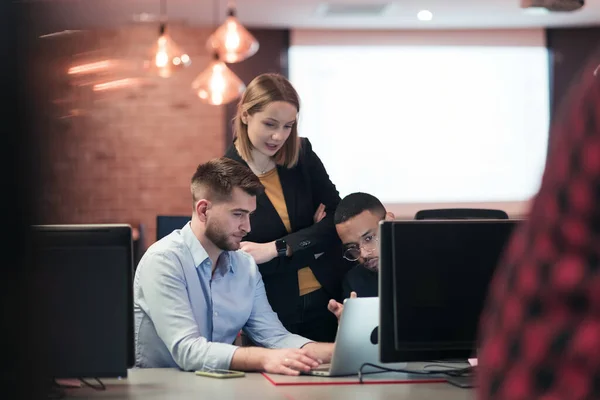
427	119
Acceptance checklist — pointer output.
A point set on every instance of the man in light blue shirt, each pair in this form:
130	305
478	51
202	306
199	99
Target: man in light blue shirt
193	291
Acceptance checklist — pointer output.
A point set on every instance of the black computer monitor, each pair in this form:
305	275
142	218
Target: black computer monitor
84	306
165	224
433	282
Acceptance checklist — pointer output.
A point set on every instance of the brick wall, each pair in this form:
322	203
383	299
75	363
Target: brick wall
124	156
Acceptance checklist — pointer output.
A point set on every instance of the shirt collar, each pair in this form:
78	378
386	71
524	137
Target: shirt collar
199	255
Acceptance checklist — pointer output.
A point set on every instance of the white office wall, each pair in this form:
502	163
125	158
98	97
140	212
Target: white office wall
427	119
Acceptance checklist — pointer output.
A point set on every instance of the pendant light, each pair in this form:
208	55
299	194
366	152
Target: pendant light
165	56
217	84
231	41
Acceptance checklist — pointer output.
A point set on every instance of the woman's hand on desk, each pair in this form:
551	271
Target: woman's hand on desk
261	252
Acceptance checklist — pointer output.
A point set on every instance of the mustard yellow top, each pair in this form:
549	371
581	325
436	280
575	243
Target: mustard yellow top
307	282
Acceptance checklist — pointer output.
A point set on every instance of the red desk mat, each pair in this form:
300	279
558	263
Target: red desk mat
369	379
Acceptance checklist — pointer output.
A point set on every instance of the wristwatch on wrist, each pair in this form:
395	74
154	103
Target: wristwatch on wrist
281	247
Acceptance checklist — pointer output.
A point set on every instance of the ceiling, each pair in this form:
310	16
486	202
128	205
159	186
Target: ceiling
396	14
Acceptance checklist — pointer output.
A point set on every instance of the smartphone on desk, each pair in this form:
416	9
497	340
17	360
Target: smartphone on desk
220	373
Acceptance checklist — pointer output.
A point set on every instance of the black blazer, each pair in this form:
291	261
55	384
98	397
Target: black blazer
304	186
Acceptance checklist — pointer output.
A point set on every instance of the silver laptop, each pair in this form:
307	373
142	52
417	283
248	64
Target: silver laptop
356	340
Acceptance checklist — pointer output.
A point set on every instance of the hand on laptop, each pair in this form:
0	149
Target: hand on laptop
322	352
337	308
289	361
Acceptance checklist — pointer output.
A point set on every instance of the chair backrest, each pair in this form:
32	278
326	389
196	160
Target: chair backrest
461	213
165	224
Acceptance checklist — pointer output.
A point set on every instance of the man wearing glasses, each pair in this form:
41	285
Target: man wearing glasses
357	221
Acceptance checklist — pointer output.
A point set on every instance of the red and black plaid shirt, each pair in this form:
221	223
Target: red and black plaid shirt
540	330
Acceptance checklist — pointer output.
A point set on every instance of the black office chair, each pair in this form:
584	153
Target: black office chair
165	224
461	213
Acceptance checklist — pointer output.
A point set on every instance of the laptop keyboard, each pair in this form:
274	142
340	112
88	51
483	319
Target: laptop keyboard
322	367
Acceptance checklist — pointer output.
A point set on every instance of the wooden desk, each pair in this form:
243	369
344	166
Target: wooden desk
154	384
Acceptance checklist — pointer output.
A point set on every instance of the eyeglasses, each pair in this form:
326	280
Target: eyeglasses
368	244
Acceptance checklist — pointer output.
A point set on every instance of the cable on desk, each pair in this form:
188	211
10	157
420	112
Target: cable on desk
460	371
451	372
440	365
99	386
451	361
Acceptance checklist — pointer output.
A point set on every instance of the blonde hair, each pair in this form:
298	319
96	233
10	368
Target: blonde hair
262	91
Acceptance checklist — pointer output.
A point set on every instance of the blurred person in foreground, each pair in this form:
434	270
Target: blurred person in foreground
540	329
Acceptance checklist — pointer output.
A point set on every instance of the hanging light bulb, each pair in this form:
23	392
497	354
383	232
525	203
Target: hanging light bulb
165	56
217	84
231	41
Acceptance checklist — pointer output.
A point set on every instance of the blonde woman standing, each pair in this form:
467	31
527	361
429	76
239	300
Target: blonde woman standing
293	238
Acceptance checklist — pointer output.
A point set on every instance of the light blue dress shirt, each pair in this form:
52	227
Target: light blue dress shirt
187	318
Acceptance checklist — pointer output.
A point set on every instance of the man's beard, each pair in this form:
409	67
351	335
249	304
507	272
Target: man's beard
219	238
375	267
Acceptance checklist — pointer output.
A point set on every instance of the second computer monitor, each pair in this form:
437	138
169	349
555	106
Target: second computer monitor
83	285
434	278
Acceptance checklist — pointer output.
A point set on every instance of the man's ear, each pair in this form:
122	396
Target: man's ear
202	206
389	216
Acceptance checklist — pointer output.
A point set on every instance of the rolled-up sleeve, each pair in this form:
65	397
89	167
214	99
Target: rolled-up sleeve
166	298
264	327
